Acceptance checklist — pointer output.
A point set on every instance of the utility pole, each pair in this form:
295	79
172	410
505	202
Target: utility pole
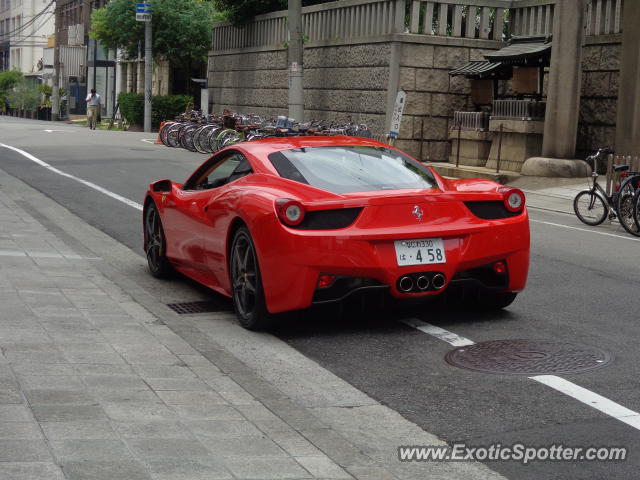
55	87
296	92
148	73
144	14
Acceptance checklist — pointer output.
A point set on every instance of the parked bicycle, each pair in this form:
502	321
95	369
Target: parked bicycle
594	206
196	132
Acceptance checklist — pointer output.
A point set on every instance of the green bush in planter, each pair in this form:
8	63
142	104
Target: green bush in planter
132	107
165	107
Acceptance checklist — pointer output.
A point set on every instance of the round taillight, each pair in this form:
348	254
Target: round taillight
293	213
290	212
513	199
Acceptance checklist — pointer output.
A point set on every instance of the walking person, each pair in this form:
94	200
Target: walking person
93	109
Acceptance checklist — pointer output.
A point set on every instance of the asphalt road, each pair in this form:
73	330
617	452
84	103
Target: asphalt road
583	287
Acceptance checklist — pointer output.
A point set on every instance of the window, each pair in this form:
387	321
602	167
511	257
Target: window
219	172
352	168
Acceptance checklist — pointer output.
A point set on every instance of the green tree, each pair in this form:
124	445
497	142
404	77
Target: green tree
8	81
24	95
181	29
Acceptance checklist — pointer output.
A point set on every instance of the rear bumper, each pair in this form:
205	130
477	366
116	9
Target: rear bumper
291	261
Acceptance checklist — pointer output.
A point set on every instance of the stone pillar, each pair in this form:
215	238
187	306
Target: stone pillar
628	120
129	81
565	74
140	85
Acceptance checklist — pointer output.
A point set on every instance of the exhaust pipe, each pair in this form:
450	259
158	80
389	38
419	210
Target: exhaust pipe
438	281
422	283
406	284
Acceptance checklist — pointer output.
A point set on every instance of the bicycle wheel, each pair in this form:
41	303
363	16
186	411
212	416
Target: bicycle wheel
232	139
636	211
211	145
186	138
224	136
164	131
199	136
173	135
590	208
626	203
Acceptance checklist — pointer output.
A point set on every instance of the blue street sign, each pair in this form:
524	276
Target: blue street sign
143	8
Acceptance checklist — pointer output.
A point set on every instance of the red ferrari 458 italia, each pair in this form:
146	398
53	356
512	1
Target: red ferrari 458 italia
281	224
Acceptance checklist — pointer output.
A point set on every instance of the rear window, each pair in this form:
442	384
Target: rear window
347	169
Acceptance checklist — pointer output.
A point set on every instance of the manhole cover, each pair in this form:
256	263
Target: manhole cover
527	357
185	308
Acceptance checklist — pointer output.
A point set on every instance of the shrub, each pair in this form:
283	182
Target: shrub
164	107
132	107
8	81
24	95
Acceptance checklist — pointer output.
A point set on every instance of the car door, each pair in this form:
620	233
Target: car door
219	213
186	211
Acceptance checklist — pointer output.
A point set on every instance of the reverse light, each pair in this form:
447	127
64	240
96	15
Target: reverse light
513	199
325	280
290	212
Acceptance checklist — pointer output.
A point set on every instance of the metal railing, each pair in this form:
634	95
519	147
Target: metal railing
471	120
519	109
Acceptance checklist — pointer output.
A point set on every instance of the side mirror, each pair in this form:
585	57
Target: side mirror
162	186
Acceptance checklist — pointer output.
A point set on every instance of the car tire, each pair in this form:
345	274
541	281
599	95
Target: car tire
156	244
246	283
494	300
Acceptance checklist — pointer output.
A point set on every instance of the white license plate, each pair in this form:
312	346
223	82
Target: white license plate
421	251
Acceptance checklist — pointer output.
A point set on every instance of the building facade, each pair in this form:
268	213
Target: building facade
5	28
25	26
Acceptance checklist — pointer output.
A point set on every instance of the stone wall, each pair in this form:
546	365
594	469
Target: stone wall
432	95
342	83
599	100
350	82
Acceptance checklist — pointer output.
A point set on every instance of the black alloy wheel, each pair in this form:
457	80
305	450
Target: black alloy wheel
155	244
246	283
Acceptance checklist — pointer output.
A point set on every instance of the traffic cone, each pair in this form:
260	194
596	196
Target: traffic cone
158	141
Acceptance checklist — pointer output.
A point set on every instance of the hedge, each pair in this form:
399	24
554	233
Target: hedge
164	107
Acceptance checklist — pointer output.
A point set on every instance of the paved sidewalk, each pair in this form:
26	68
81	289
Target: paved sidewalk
554	194
94	386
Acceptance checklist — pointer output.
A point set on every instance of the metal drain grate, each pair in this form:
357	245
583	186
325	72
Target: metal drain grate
527	357
185	308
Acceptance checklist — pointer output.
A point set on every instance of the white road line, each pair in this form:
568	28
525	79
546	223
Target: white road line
592	399
148	140
100	189
633	239
439	333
